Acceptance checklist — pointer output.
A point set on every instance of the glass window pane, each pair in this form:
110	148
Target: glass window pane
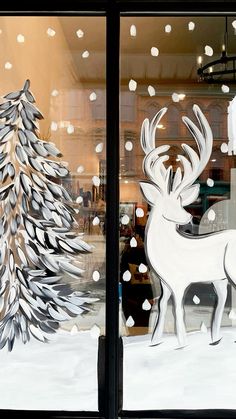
177	266
53	186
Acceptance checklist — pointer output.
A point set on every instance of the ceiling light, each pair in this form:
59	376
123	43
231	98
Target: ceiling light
223	69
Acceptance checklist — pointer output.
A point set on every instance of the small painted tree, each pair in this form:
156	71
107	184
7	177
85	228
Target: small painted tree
37	244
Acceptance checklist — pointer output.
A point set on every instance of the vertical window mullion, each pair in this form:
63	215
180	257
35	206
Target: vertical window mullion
112	222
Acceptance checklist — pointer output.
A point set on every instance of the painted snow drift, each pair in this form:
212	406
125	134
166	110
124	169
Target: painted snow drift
37	244
180	259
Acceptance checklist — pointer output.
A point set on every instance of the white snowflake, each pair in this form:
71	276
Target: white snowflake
209	50
132	85
126	276
154	51
191	26
20	38
129	145
130	321
80	33
51	32
139	212
151	91
96	276
133	31
168	28
146	305
133	242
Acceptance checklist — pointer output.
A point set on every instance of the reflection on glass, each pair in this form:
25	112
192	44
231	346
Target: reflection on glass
68	81
163	60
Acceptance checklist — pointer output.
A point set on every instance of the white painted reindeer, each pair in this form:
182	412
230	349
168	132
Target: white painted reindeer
180	259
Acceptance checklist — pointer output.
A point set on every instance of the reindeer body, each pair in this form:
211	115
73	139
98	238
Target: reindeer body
180	259
202	257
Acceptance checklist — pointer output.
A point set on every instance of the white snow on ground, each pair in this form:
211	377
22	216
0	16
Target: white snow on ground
199	376
60	375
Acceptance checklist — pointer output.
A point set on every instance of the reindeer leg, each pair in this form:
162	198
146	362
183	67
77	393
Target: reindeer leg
179	317
160	319
221	291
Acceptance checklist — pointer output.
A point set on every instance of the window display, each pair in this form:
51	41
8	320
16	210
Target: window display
182	157
53	206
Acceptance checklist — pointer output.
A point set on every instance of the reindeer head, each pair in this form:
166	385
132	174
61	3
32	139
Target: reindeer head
169	192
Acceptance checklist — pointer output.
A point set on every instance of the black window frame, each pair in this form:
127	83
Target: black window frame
110	354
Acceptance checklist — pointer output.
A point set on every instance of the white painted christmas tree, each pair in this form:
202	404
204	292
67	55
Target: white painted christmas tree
37	245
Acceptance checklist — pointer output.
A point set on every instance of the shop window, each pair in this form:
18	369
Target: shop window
52	303
159	248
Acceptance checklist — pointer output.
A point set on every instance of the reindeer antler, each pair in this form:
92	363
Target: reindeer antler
153	165
193	164
196	164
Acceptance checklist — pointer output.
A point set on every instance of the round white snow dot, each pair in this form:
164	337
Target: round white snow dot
142	268
210	182
225	88
133	242
139	212
74	330
95	332
126	276
99	148
96	180
51	32
80	169
129	145
92	97
79	200
175	97
224	148
211	215
96	276
125	219
70	129
208	50
232	315
168	28
146	305
55	93
20	38
154	51
132	85
80	33
191	26
203	328
196	300
54	126
151	91
234	24
130	321
8	65
96	221
85	54
133	30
